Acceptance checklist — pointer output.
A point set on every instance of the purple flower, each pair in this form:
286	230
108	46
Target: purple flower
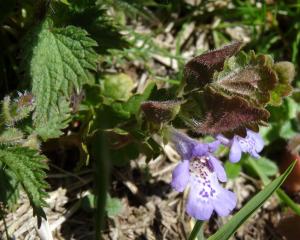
252	144
201	171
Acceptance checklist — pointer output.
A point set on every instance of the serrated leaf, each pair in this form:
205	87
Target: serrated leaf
249	76
94	20
58	61
225	114
255	78
286	73
233	97
27	167
161	112
11	136
60	117
242	215
9	187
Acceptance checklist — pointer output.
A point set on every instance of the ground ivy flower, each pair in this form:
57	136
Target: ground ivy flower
252	144
201	171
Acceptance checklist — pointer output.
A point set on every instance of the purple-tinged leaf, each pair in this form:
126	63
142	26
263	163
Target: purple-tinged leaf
228	114
160	112
199	71
247	76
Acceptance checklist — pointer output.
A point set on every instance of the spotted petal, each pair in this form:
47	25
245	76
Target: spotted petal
259	142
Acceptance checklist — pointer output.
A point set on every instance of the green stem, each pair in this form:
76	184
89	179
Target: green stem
4	222
197	228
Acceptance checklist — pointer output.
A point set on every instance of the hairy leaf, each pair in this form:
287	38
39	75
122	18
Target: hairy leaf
58	62
248	76
60	117
225	114
199	71
286	73
159	112
9	187
11	136
27	167
233	97
95	20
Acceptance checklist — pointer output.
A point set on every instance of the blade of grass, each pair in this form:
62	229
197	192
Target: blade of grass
280	193
242	215
197	228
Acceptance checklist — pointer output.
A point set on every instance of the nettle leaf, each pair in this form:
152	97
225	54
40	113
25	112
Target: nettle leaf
11	136
94	19
60	117
59	60
199	71
9	187
27	167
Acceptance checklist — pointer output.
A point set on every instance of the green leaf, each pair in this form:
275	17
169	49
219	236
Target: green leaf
280	193
11	136
268	167
60	117
134	103
88	202
249	76
197	230
9	187
288	201
227	230
27	167
95	20
58	61
286	111
232	169
113	206
116	87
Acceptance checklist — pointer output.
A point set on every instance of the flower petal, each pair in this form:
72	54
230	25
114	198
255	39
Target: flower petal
213	146
218	168
180	176
198	208
225	202
259	142
200	149
235	151
183	143
225	141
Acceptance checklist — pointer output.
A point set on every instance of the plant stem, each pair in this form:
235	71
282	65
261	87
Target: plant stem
4	222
